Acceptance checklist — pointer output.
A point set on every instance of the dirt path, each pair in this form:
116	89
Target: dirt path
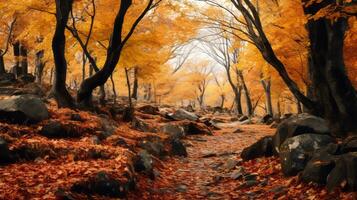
211	159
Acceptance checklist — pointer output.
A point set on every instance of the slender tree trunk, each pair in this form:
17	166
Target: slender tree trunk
102	94
59	89
223	98
238	102
84	61
114	89
2	64
16	67
333	89
278	107
24	63
246	94
136	84
40	65
267	90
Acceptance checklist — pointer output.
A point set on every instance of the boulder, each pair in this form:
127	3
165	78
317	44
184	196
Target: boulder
5	156
173	130
182	114
140	125
297	125
318	168
267	119
296	151
149	109
7	79
23	109
154	146
345	173
108	127
55	129
178	148
262	148
143	162
104	184
193	128
243	118
27	78
31	89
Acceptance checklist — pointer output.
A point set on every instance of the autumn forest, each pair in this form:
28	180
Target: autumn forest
178	99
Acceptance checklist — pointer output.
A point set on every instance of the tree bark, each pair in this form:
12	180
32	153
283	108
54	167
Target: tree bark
135	84
2	64
246	94
114	90
59	89
40	65
333	89
267	90
16	68
116	44
24	63
223	98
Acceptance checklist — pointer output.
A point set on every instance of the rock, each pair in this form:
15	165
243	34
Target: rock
7	79
154	146
5	156
30	89
317	169
108	126
149	109
344	174
76	117
140	125
295	152
28	78
177	148
175	131
231	164
238	173
103	184
274	125
297	125
243	118
181	188
238	130
23	109
250	177
263	147
248	184
182	114
55	129
266	119
193	128
349	145
143	162
248	121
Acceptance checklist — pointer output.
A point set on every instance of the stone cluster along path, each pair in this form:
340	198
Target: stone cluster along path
210	160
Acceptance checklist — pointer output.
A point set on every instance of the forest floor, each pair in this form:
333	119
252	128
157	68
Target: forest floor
213	168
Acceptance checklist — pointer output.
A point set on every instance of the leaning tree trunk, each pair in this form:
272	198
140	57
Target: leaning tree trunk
333	89
24	63
59	91
223	98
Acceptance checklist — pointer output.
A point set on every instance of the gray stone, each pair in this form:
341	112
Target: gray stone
295	152
182	114
297	125
23	109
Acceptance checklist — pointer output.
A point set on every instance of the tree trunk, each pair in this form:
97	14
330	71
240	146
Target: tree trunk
24	63
333	89
102	95
267	90
136	84
16	68
2	64
298	107
59	90
116	43
223	98
238	102
84	61
246	94
40	65
114	90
